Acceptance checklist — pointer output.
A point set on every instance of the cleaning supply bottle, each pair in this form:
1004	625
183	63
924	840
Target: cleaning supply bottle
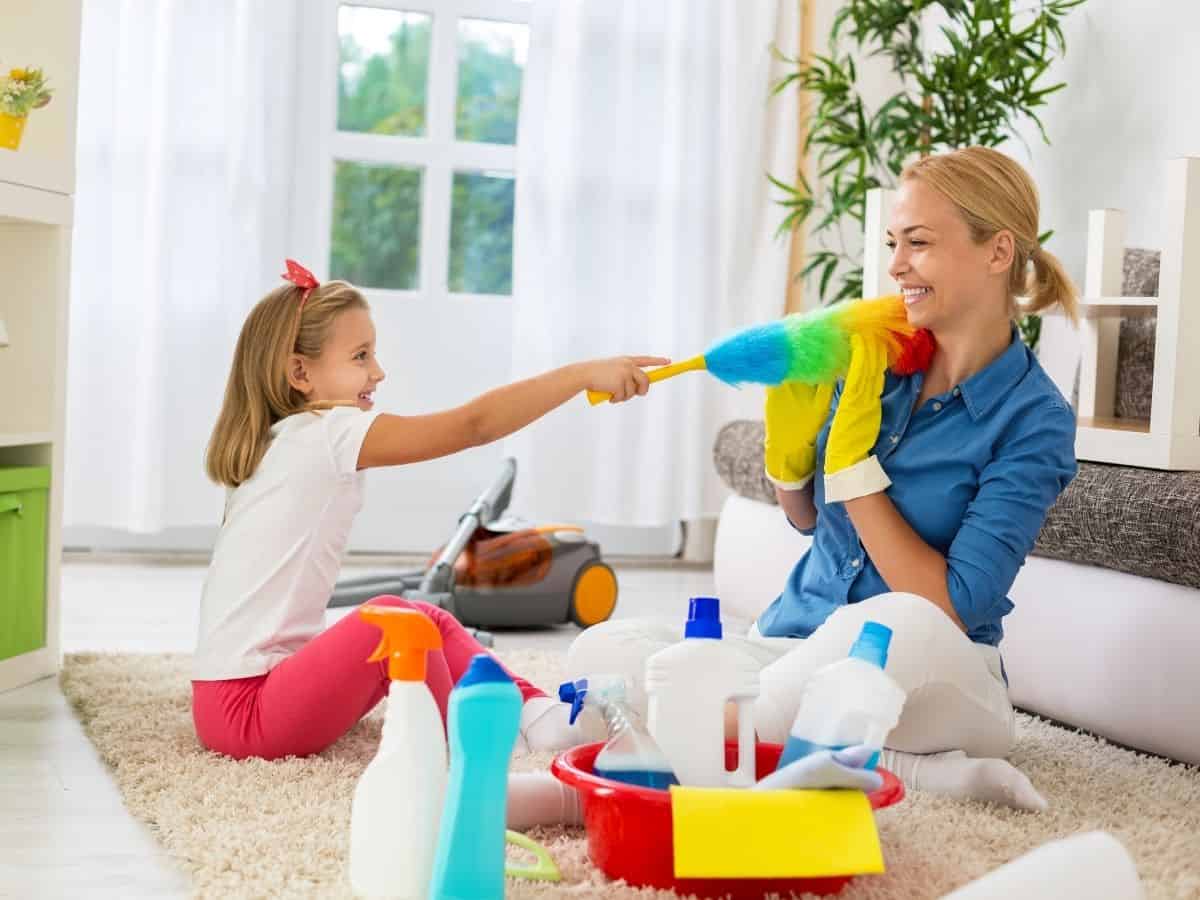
398	799
688	685
850	702
484	716
630	755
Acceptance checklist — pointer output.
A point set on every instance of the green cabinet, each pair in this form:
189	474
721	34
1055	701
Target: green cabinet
23	499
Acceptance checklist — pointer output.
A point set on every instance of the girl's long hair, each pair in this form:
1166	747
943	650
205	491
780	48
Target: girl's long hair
258	393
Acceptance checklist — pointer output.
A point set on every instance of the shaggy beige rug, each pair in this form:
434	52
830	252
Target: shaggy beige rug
279	829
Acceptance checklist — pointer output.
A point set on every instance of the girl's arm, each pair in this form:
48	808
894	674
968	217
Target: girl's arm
396	440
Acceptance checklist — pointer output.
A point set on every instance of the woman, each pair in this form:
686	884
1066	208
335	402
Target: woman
923	493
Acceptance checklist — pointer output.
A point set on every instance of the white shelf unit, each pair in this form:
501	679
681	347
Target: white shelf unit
36	208
1170	439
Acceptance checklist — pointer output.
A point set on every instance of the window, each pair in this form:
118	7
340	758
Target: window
420	161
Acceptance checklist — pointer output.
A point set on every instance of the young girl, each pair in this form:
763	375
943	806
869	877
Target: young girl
295	432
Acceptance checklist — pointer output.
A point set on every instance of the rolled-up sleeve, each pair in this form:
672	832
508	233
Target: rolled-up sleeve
1016	490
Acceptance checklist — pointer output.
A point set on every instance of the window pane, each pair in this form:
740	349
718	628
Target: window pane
383	68
481	239
376	239
491	58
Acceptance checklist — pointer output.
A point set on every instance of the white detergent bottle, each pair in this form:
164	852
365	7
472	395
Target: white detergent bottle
398	800
688	685
848	703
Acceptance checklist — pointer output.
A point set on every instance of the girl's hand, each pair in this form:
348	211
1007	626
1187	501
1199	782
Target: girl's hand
621	376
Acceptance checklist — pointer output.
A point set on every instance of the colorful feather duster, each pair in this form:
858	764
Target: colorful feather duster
812	347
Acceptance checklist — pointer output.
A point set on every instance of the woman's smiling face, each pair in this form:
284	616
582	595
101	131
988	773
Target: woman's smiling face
944	274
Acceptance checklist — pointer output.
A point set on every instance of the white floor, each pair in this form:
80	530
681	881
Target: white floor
63	830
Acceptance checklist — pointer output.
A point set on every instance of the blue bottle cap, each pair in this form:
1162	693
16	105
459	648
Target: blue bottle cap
573	692
872	644
483	669
704	618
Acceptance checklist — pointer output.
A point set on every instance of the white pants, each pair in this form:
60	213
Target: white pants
956	696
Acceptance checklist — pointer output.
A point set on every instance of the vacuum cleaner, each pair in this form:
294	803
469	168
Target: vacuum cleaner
498	572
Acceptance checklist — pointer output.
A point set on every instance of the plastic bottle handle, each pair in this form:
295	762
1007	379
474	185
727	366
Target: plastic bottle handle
745	773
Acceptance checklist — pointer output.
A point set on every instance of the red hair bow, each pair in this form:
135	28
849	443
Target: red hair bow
301	277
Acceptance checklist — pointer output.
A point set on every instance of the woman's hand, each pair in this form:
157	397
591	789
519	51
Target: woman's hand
621	376
793	415
850	469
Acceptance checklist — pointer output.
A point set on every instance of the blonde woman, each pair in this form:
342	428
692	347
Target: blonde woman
923	493
297	429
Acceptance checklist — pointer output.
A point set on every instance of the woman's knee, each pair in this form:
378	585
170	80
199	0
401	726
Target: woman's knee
903	608
620	647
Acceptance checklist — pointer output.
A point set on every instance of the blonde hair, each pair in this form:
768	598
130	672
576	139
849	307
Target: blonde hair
994	193
258	393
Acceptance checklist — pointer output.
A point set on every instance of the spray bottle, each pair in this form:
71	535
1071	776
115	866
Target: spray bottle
398	799
484	716
848	703
630	755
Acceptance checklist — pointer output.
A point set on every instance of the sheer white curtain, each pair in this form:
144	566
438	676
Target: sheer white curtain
186	132
645	223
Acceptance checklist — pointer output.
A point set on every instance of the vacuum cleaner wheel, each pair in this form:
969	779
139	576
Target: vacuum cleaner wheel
593	595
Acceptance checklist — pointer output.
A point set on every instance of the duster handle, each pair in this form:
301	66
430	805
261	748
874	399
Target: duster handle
688	365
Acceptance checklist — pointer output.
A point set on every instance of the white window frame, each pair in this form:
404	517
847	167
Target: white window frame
438	154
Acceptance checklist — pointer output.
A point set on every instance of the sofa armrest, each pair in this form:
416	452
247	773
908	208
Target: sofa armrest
738	456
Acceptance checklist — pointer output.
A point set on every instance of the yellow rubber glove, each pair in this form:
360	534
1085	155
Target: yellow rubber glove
794	415
850	470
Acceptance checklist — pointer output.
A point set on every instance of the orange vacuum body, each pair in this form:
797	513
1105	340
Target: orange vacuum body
527	576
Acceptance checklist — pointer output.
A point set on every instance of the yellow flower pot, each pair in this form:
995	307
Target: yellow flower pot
11	129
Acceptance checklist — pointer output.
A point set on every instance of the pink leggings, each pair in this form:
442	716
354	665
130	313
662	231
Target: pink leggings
316	695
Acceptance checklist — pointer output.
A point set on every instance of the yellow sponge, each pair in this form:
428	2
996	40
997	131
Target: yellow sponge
730	833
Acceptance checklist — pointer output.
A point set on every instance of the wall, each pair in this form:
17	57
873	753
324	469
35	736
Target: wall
1130	105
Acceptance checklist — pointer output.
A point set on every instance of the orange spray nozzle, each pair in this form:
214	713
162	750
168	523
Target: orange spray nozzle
407	636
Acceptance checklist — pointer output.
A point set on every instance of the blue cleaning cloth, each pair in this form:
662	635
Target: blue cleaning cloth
826	769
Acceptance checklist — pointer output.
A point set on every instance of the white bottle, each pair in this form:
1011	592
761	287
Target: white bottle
398	800
848	703
688	685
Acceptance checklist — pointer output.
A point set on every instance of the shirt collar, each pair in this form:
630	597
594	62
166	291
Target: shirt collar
991	384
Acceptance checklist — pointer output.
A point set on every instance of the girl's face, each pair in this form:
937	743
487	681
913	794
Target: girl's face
346	373
948	280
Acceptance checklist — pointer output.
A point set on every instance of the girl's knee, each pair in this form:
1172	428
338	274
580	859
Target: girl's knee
393	600
440	617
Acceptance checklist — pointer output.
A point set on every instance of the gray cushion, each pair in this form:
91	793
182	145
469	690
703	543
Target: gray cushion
1135	346
1139	521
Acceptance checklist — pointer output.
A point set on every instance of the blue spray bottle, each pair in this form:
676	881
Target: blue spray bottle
484	716
848	703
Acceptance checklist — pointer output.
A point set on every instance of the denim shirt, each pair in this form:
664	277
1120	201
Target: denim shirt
974	472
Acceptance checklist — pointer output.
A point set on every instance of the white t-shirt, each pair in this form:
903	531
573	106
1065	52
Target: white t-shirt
280	548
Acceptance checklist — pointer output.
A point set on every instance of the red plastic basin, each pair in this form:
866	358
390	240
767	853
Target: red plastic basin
629	829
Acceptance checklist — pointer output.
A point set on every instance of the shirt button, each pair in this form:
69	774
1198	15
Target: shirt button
856	563
895	439
957	392
937	407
